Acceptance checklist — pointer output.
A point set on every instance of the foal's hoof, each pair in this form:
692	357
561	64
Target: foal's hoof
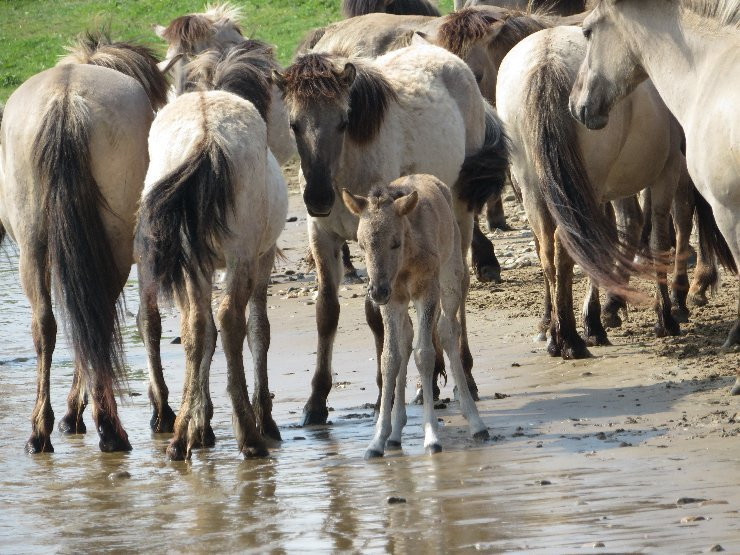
36	445
70	424
176	450
372	454
680	314
255	452
736	388
163	423
315	417
482	436
392	445
433	449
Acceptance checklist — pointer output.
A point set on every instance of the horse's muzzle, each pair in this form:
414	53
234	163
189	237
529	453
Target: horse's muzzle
379	294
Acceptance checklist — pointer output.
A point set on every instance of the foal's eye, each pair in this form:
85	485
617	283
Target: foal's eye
342	127
587	33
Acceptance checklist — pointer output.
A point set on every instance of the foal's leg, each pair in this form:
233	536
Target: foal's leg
427	310
394	316
398	415
150	329
258	338
683	212
239	286
593	331
35	278
325	247
72	422
191	424
571	344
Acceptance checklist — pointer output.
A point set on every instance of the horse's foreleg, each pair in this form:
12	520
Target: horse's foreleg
398	414
35	279
150	329
239	287
326	251
572	345
427	311
258	339
196	319
72	422
683	212
394	316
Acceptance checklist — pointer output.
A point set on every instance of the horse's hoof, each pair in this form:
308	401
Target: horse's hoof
163	423
36	445
611	320
576	350
419	398
736	388
433	449
113	443
315	417
488	273
176	450
698	299
553	348
255	452
540	337
499	224
668	329
71	425
680	314
598	340
372	454
269	429
393	445
482	436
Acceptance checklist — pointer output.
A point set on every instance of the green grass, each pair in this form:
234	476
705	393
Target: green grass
33	33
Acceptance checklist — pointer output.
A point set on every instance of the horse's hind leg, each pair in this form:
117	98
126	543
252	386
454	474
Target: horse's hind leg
495	216
571	344
35	278
150	329
258	339
593	331
240	282
72	422
465	354
683	212
485	264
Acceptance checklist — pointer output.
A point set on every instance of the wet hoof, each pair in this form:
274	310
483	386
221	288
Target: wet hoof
554	349
541	337
433	449
164	423
113	443
611	319
680	314
36	445
71	425
736	388
372	454
268	429
315	417
575	349
204	439
353	278
176	450
482	436
392	445
255	452
499	224
598	340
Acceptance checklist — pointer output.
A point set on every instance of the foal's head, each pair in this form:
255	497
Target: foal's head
331	100
381	234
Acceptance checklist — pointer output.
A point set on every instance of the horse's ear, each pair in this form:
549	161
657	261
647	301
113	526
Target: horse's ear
349	73
354	203
406	203
278	79
420	39
166	65
159	31
494	31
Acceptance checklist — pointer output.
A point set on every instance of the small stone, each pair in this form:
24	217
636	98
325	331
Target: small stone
487	467
289	272
392	500
440	406
515	365
291	219
688	519
120	475
543	482
715	548
689	500
601	436
176	341
598	544
298	438
625	444
500	395
587	374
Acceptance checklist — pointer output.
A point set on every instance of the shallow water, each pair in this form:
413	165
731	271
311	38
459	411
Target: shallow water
316	493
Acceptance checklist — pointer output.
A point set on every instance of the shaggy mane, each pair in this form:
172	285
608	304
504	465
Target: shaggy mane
186	31
134	60
461	30
724	12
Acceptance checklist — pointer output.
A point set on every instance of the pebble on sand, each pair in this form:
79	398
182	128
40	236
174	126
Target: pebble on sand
392	500
689	500
120	475
715	548
689	519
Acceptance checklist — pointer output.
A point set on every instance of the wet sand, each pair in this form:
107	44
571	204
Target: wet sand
584	452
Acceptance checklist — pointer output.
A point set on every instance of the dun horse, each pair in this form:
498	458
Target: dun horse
361	122
72	163
215	197
411	242
353	8
696	40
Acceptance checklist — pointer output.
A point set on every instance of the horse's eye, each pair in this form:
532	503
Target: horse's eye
587	33
478	78
295	127
342	127
396	245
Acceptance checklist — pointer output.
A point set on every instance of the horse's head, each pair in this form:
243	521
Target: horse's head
610	70
381	234
331	101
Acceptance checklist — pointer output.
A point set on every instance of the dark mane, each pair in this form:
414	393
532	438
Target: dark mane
187	30
518	26
245	70
134	60
353	8
460	30
318	77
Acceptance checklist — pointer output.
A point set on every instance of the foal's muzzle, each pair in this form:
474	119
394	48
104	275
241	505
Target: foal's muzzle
379	294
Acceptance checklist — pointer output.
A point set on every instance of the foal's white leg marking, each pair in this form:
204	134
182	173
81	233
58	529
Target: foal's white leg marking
394	316
398	414
427	310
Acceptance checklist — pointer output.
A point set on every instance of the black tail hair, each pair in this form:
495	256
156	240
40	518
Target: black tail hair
591	240
183	217
484	173
711	241
85	276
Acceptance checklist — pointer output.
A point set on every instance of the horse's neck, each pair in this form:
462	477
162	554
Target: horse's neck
676	53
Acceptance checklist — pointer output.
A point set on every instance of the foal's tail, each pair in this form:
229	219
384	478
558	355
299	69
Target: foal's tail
712	244
86	278
590	239
183	217
484	173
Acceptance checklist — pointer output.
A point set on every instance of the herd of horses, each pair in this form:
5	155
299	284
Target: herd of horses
407	123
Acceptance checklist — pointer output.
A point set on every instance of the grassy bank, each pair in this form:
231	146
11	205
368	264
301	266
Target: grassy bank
33	33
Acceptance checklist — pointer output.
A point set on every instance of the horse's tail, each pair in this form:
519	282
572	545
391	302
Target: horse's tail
86	277
353	8
183	217
590	239
711	242
484	173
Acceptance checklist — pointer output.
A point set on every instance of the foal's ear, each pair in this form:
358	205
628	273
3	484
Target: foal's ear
354	203
406	203
159	31
278	79
349	73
